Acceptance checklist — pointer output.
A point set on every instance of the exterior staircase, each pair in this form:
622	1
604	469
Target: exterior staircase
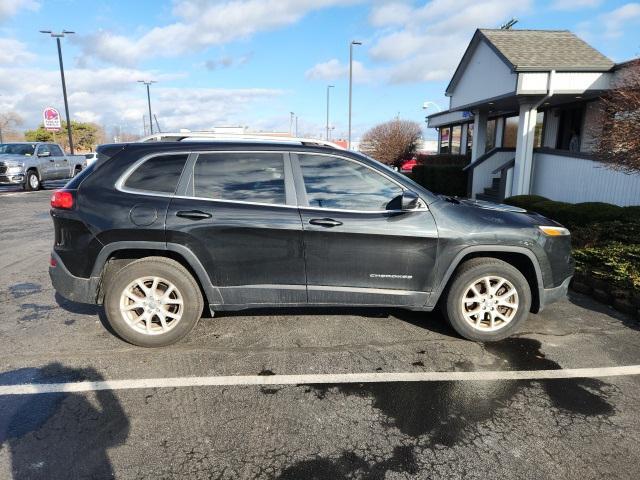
492	193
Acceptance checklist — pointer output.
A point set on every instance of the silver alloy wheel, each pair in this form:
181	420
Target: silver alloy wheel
489	303
151	305
33	181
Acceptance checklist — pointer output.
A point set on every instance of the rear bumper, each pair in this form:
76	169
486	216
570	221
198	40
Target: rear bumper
76	289
551	295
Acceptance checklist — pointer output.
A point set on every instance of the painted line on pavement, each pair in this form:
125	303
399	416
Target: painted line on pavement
242	380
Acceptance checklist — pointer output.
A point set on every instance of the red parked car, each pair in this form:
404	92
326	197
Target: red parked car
407	165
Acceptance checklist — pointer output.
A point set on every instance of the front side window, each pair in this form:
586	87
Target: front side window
337	183
158	174
56	151
242	176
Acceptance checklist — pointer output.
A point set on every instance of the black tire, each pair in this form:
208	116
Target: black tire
77	170
465	275
165	268
32	179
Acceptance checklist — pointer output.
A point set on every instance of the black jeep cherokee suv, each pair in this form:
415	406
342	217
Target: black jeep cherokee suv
154	231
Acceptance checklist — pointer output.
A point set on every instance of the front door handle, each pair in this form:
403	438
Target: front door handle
325	222
193	214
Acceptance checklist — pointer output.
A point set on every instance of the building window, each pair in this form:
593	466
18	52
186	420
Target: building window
491	135
538	134
510	135
456	137
445	134
469	138
570	128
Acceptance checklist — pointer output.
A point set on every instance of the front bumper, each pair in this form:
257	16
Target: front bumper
11	179
76	289
551	295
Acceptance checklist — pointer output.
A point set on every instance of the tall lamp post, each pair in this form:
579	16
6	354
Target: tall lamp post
329	87
291	117
58	36
148	84
354	42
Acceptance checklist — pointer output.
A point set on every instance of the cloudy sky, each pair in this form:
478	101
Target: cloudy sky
251	62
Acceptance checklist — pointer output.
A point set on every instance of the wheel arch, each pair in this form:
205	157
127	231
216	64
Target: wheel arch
118	254
521	258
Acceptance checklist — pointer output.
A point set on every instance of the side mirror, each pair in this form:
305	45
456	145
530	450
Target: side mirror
44	154
410	200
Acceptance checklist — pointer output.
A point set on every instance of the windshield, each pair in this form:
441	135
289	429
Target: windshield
17	148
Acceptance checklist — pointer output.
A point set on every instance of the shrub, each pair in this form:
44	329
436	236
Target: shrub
615	263
599	233
443	159
578	214
444	179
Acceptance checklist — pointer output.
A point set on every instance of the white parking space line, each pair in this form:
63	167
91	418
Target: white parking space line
243	380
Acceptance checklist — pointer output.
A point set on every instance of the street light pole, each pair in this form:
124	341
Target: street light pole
329	87
148	83
58	36
354	42
291	115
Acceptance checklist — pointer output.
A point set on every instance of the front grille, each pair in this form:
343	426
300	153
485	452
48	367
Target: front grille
3	168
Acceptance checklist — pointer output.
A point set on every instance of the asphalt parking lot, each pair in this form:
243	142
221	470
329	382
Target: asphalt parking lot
482	424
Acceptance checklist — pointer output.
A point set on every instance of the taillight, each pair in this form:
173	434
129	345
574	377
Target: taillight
53	262
62	199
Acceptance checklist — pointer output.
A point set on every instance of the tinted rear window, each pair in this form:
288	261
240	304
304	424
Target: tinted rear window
158	174
248	177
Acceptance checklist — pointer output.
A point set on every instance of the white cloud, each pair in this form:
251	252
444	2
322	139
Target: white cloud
227	61
201	24
333	70
14	51
111	97
574	4
615	21
426	43
8	8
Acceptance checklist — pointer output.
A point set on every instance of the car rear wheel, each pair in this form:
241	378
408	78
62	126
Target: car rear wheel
77	170
32	182
153	302
487	300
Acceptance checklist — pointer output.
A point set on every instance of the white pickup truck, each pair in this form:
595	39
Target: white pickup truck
31	163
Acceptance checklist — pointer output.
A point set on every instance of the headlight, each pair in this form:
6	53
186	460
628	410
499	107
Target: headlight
554	231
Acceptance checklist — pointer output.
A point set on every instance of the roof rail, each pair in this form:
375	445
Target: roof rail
234	137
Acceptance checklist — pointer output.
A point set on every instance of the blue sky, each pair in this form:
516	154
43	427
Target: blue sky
251	62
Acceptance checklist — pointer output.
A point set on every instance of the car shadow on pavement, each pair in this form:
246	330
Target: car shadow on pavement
60	435
432	321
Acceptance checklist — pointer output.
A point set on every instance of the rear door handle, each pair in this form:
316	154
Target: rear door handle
325	222
193	214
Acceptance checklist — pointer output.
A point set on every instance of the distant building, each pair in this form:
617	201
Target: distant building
524	106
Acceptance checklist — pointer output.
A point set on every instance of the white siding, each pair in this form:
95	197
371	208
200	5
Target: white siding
486	76
482	175
576	180
563	82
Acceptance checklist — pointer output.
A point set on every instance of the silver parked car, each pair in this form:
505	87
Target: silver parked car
31	163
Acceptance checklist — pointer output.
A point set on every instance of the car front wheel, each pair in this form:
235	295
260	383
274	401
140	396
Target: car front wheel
487	300
153	302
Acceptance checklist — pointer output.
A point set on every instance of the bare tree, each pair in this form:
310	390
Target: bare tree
8	122
617	142
392	142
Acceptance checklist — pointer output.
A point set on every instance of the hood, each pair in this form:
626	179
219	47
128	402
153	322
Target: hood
12	159
501	207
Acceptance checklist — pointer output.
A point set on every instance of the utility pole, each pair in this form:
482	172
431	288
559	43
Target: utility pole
329	87
58	36
148	83
291	115
296	126
354	42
